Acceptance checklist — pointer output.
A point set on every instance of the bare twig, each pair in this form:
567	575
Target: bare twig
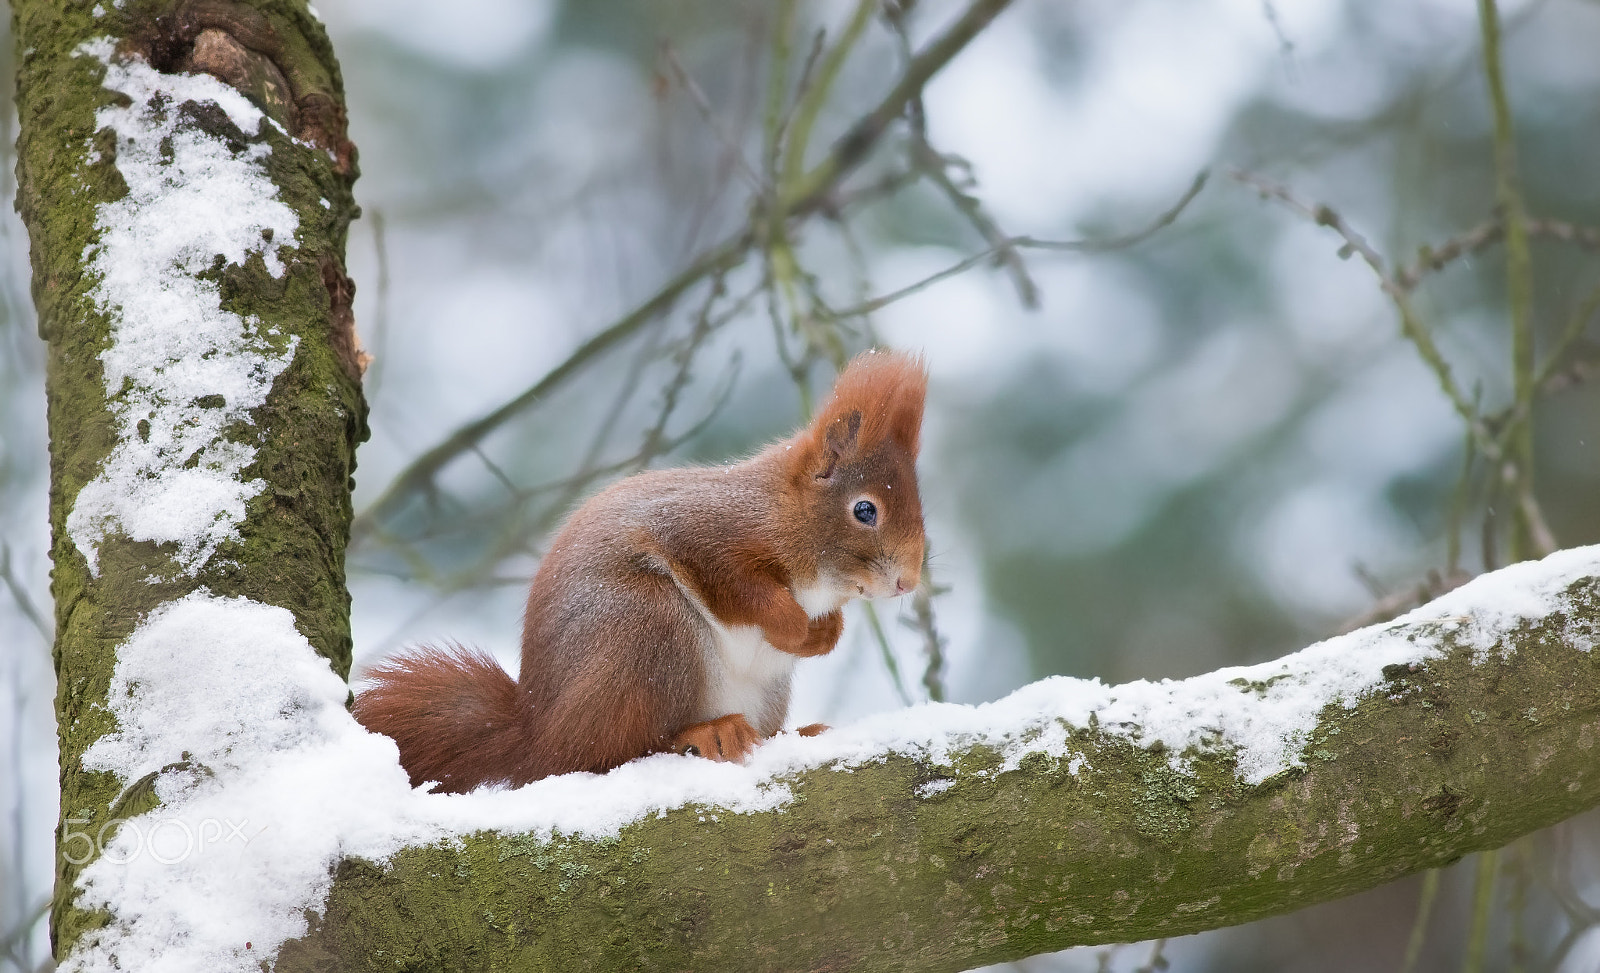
936	166
1434	259
1002	248
1419	927
1410	323
932	642
1269	10
1033	243
418	476
706	324
518	535
1457	513
1576	325
20	595
1397	604
1157	961
709	116
1482	906
379	334
1540	536
1587	237
852	147
1519	280
885	651
815	87
13	943
774	119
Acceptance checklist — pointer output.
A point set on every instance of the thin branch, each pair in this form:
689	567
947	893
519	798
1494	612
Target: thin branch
933	643
1033	243
1457	514
774	119
14	943
885	651
1587	237
20	595
1540	536
815	90
379	334
706	324
709	116
936	166
1431	260
1410	323
1285	46
1419	928
1157	960
630	385
1397	604
850	149
1577	324
418	476
1519	277
1482	904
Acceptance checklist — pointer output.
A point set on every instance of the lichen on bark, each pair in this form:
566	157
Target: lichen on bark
291	539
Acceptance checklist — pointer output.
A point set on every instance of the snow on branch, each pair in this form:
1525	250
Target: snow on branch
258	748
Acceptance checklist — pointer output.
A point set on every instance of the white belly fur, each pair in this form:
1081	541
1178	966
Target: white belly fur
744	674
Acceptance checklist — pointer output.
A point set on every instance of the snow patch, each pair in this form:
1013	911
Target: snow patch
180	370
285	783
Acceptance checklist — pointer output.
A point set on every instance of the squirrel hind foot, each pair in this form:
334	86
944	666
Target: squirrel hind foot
728	738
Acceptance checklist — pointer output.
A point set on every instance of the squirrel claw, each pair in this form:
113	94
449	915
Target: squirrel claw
728	738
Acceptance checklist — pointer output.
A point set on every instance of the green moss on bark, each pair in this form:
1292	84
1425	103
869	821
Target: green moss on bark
293	538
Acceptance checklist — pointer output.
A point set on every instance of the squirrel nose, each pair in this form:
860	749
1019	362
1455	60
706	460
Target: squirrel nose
900	586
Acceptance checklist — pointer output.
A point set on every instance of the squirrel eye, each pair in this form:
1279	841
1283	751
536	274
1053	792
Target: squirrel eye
867	512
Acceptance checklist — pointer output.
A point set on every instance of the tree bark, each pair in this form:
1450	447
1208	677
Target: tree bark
288	547
917	864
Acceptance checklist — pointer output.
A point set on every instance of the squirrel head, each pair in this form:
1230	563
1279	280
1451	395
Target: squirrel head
852	477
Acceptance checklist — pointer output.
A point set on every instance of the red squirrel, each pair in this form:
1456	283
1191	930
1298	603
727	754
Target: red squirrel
671	607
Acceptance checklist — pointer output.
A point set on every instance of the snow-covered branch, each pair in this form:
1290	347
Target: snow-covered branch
946	836
1070	812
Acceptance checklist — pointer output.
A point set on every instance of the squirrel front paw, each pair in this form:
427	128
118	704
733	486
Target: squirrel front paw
822	634
727	738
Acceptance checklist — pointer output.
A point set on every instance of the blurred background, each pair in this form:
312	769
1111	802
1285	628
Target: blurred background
1169	428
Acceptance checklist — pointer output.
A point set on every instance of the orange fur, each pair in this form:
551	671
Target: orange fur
642	623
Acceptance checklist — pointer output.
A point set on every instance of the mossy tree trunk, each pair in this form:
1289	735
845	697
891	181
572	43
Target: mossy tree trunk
288	548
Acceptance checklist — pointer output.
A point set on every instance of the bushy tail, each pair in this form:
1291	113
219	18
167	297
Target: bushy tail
457	716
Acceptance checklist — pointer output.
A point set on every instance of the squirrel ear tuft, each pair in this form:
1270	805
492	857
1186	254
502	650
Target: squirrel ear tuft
880	396
838	439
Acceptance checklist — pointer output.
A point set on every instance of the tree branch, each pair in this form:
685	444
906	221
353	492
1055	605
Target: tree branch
1115	814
